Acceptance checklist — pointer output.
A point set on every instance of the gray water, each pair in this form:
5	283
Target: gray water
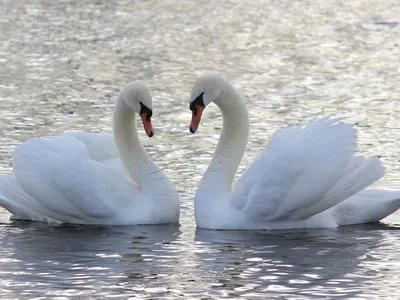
62	64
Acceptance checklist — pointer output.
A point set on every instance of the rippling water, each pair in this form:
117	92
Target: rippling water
62	64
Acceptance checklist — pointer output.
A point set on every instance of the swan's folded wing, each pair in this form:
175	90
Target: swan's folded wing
304	170
100	146
59	174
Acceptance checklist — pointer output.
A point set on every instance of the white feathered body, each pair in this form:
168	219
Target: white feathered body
78	177
307	176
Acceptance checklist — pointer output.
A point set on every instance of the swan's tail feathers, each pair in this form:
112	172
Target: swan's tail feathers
360	174
23	206
64	183
368	206
16	201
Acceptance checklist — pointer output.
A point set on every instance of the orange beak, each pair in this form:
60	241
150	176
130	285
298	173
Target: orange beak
196	118
148	127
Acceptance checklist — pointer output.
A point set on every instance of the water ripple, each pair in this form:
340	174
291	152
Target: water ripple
63	63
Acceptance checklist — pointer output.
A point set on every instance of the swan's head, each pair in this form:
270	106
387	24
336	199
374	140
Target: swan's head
206	89
139	99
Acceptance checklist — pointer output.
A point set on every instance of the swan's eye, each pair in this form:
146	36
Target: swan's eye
145	110
149	115
197	102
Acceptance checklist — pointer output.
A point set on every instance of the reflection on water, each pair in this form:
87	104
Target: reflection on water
159	262
308	263
62	64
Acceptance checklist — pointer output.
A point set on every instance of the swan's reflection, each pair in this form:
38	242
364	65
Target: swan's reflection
81	259
301	262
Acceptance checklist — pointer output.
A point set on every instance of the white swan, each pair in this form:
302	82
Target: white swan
307	176
93	178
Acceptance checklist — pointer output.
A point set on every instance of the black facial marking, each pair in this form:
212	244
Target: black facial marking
198	101
145	110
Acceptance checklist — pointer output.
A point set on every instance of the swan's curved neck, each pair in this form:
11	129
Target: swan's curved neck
232	143
132	153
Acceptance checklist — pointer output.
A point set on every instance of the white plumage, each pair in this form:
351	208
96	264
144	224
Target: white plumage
307	176
88	178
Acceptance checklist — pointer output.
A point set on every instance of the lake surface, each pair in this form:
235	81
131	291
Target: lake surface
62	64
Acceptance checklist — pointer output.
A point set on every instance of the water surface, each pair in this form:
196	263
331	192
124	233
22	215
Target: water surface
62	65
